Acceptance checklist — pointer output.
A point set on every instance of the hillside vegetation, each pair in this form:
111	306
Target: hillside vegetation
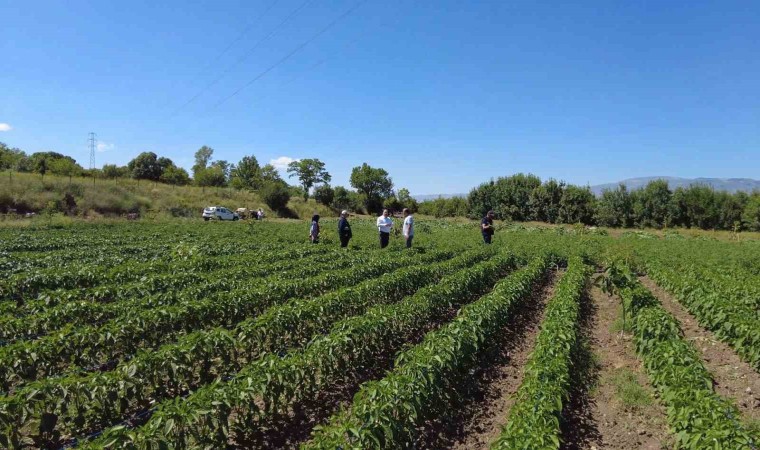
81	197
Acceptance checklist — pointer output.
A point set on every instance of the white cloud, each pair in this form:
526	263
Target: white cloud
282	162
5	127
105	146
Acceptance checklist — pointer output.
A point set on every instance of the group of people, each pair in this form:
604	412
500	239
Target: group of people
385	225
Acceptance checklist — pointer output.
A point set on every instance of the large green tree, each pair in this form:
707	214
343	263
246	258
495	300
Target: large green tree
210	177
577	205
246	174
751	213
651	205
203	157
373	184
65	167
112	171
343	198
615	208
270	173
513	195
309	171
10	157
145	166
406	200
54	162
544	201
176	176
324	194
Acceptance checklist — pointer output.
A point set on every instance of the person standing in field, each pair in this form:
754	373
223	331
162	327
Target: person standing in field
408	227
384	225
344	229
486	227
314	229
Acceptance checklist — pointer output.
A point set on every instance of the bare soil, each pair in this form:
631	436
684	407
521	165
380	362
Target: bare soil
599	415
476	422
733	378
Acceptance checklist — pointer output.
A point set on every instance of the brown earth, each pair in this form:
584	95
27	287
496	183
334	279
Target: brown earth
733	378
598	416
477	422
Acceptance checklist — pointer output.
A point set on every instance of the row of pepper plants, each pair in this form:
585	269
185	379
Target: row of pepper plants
733	321
273	385
534	419
150	292
20	262
77	405
225	237
157	273
698	416
388	413
24	287
95	345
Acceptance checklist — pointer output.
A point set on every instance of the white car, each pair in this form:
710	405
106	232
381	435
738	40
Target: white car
219	212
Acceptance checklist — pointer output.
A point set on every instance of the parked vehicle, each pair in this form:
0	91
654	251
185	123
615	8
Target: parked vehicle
219	212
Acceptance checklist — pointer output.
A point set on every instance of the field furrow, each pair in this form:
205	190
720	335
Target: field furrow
94	346
272	386
386	413
696	414
201	357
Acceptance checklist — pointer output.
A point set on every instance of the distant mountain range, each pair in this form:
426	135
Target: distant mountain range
719	184
422	198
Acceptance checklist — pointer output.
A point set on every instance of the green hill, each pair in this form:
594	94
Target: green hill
22	193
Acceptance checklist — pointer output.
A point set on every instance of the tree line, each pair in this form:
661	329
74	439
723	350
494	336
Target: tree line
372	187
524	197
519	197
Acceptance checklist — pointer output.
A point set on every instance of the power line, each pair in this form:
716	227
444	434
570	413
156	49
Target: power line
293	52
243	57
240	36
298	75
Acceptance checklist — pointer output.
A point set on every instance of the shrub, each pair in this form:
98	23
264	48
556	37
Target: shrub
275	195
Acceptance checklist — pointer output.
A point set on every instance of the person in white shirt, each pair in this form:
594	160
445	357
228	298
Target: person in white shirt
384	225
408	228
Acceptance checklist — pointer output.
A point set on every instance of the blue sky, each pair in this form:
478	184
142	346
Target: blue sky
442	94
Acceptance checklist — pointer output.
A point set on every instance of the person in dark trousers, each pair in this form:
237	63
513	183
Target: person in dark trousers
344	229
314	229
486	227
408	227
384	225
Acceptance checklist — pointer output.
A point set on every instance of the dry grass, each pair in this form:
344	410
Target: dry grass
114	198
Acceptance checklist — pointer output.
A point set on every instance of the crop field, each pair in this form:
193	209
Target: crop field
184	335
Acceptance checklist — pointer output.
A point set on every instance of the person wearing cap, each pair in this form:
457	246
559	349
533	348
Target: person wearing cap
408	228
486	227
314	229
384	225
344	229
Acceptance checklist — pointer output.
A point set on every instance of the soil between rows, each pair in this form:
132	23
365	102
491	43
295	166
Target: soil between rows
733	378
477	422
295	428
612	406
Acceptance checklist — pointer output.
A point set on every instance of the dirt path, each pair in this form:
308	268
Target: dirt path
613	406
488	399
734	379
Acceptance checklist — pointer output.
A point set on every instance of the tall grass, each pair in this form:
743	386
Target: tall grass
83	197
